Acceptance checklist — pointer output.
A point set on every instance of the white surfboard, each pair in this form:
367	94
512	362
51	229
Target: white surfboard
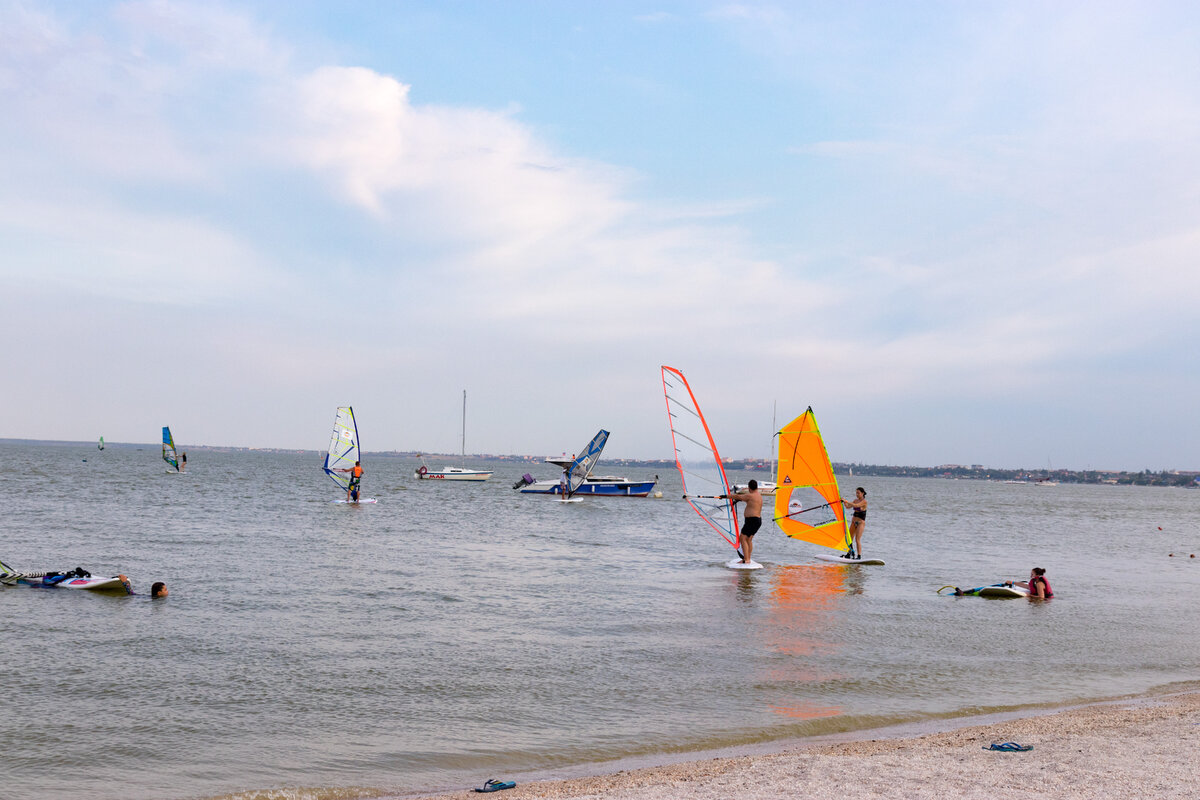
356	502
1003	591
858	562
568	499
95	583
737	563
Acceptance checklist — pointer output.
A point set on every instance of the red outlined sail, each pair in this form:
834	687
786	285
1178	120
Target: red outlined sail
696	456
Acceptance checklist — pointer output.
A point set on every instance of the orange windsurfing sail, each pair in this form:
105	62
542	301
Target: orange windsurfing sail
808	505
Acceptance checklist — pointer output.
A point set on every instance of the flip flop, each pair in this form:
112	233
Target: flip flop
495	786
1009	747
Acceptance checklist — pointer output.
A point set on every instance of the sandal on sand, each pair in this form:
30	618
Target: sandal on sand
495	786
1009	747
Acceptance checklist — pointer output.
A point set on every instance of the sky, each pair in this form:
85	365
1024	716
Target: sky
961	232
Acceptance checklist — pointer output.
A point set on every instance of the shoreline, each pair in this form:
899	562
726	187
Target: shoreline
1145	746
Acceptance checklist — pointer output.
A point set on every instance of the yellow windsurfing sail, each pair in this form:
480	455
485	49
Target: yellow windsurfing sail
808	505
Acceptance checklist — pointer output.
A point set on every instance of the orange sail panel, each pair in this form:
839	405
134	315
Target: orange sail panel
808	505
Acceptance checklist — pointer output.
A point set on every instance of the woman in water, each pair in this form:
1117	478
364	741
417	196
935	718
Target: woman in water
1037	584
858	522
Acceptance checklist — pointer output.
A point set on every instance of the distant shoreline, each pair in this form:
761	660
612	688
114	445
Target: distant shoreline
1179	478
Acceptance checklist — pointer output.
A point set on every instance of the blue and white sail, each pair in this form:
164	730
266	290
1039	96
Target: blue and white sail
169	454
582	466
343	447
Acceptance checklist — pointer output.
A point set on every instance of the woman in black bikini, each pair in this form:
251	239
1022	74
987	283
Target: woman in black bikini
858	522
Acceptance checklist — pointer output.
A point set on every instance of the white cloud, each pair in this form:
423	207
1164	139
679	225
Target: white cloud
985	223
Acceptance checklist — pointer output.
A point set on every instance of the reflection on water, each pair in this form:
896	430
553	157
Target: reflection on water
806	602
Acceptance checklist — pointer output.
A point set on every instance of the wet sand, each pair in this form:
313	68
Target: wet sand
1146	747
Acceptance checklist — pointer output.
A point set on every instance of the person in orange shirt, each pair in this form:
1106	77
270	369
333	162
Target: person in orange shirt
356	473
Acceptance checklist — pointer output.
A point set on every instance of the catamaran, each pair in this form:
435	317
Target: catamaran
808	505
454	473
168	452
704	484
344	453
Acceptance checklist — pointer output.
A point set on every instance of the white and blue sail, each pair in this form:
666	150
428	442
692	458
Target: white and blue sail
343	447
582	466
169	454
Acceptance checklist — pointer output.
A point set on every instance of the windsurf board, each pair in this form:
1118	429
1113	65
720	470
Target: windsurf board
862	562
1003	591
737	563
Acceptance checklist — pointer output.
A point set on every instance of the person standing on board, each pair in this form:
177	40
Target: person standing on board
182	462
356	473
753	518
858	522
1038	586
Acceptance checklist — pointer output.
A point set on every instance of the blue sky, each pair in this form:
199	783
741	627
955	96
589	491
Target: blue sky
962	232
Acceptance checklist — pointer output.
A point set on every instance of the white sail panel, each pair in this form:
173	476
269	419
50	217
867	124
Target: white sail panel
343	447
704	484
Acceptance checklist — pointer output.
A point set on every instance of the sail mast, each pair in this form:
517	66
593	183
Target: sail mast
464	429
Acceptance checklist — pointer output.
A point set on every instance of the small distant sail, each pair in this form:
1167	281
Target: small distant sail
101	445
343	447
169	454
808	505
704	484
579	470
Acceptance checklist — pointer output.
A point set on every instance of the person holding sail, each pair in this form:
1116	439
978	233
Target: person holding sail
753	518
356	473
859	504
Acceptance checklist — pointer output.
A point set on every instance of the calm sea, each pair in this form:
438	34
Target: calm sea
457	632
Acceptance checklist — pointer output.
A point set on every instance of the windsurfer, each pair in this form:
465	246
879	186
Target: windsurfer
182	461
1038	586
356	473
753	518
858	522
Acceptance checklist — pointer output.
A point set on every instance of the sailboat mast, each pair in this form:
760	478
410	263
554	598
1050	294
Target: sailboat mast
464	429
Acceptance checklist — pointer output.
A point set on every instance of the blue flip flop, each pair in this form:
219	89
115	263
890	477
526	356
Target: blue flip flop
495	786
1009	747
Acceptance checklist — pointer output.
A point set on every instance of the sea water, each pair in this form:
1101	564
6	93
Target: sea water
454	631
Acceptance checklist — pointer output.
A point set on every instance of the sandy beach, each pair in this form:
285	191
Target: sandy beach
1145	747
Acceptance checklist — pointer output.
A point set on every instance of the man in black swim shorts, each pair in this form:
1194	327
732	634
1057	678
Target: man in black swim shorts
753	514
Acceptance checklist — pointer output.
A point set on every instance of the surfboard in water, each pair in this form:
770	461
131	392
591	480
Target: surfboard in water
808	504
169	454
704	484
582	466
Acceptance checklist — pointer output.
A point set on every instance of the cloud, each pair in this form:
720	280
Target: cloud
918	216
